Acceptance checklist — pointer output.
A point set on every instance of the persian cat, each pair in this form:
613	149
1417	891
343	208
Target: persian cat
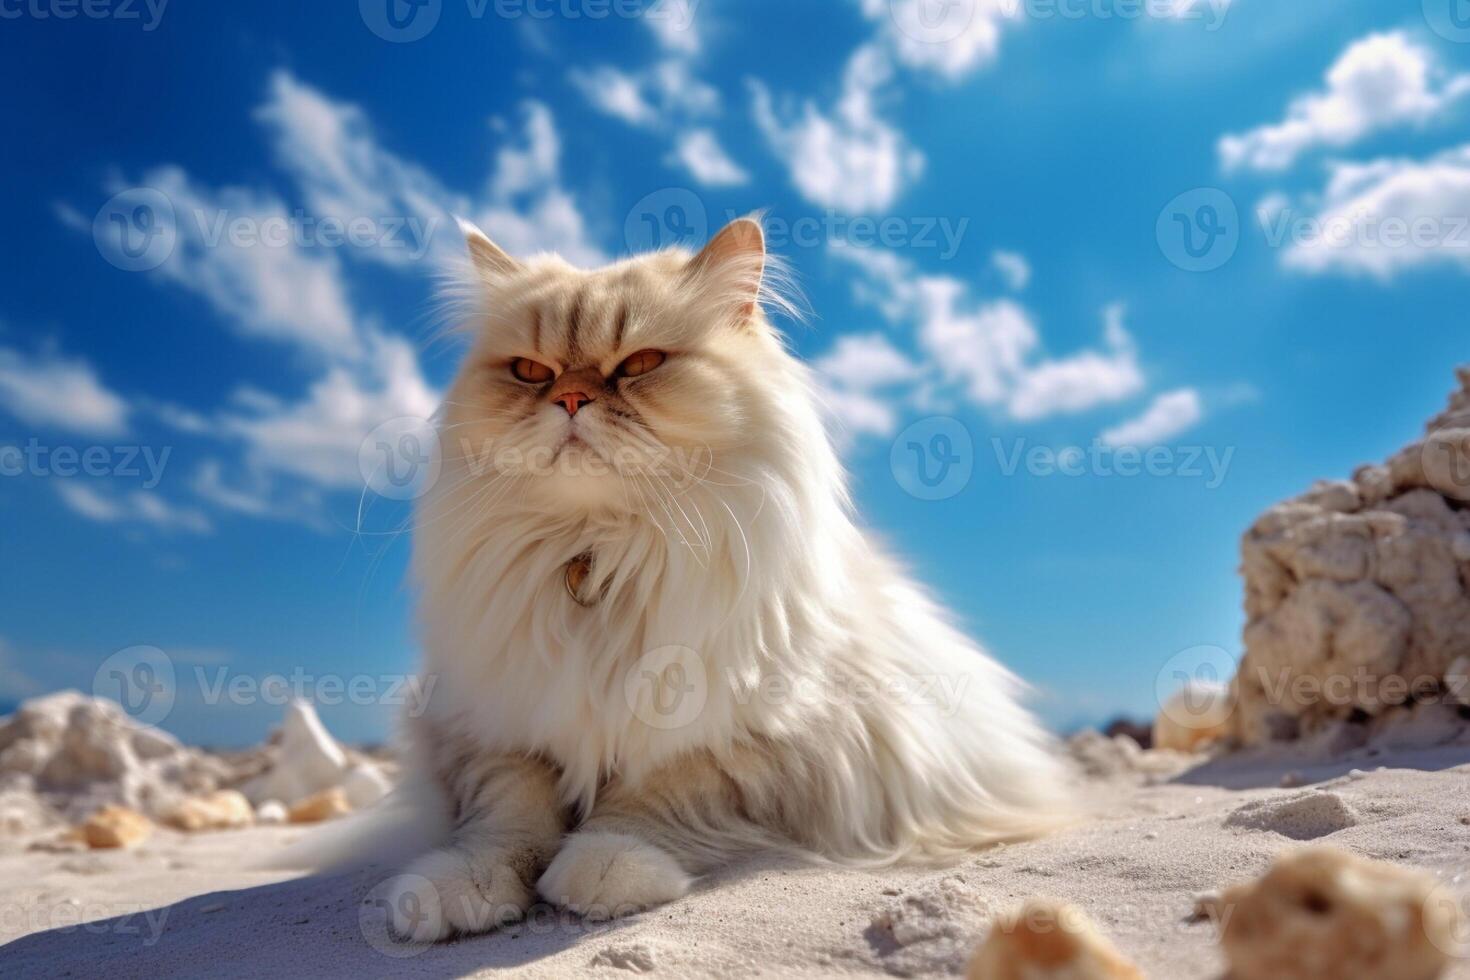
658	637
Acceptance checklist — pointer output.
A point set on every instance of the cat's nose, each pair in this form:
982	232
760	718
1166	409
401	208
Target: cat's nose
571	401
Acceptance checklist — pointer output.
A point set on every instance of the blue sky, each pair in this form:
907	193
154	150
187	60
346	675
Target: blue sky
1230	234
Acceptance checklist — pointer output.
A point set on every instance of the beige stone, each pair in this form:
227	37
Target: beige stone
1356	592
1048	940
223	809
1322	912
321	806
116	826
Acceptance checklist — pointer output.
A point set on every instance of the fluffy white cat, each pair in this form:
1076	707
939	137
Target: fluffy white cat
659	639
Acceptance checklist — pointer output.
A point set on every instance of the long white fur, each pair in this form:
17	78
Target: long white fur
758	566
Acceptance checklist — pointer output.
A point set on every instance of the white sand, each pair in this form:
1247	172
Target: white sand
1134	867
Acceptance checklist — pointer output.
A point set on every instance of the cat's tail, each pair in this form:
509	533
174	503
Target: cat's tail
412	819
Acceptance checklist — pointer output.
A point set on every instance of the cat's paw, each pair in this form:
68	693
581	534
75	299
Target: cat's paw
447	892
602	875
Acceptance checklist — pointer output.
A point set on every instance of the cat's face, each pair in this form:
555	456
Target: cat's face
610	388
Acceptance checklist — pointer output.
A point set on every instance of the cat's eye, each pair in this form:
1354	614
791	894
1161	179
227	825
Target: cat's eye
529	371
641	363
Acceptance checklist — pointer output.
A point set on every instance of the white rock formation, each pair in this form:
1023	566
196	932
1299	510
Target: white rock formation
1357	593
78	753
307	760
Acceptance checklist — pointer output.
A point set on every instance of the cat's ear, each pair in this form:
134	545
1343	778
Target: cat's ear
488	258
732	266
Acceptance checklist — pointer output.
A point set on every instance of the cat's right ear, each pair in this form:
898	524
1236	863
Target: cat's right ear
489	259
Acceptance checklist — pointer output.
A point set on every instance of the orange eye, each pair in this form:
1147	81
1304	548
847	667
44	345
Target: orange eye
529	371
641	363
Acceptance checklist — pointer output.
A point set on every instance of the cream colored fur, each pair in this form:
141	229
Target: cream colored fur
832	710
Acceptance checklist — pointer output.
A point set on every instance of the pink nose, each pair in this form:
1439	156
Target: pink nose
571	401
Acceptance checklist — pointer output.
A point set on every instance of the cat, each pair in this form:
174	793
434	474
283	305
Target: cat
659	639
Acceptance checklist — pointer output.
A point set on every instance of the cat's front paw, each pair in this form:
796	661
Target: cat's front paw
448	892
602	876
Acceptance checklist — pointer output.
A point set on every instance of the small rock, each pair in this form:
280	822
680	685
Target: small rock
321	806
272	812
223	809
1048	940
1304	817
308	760
1193	717
116	826
1322	912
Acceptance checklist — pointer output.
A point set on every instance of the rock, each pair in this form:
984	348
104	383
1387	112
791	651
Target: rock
1141	732
1193	717
1322	912
321	806
307	760
271	812
80	753
1356	592
365	784
1120	757
1047	940
116	826
22	812
224	809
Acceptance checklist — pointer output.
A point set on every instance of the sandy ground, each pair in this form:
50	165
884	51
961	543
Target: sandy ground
179	905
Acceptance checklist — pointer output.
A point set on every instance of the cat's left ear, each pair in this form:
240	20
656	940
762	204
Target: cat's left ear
732	266
489	259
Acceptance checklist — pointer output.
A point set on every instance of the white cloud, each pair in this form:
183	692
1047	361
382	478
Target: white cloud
950	39
664	95
865	362
1387	216
49	390
699	152
1013	267
135	507
317	438
615	93
266	286
1170	414
1380	81
673	24
848	158
330	149
991	350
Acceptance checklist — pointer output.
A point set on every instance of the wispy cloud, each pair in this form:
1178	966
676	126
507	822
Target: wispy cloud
132	507
1169	415
49	390
1379	82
